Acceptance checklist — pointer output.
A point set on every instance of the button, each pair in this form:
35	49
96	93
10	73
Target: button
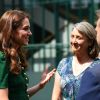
22	68
27	84
28	95
24	73
26	78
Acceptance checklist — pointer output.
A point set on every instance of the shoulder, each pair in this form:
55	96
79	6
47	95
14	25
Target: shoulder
2	59
2	55
3	71
3	63
63	64
95	66
65	60
95	69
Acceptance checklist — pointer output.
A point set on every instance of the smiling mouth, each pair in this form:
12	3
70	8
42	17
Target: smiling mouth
27	38
75	45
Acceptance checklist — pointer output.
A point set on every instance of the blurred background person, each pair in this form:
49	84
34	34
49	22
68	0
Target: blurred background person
90	84
98	27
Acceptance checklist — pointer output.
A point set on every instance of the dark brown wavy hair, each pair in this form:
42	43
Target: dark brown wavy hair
9	22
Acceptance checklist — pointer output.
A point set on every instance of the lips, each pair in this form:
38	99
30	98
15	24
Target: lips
75	45
27	38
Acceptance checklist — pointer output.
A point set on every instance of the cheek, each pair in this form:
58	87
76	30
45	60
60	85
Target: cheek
82	43
98	34
98	30
21	34
18	36
71	42
98	38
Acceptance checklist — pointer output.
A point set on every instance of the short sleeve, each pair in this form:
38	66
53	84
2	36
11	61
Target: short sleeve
61	65
3	71
65	65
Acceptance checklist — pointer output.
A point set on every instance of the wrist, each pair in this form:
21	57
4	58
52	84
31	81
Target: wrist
40	85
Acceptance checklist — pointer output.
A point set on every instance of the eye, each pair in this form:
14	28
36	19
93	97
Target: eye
72	36
79	37
26	28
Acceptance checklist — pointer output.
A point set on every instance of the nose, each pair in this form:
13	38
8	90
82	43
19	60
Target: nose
29	33
74	40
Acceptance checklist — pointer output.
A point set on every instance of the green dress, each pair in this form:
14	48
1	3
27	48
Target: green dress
16	84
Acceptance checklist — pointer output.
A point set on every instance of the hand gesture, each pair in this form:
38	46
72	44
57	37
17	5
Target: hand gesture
46	76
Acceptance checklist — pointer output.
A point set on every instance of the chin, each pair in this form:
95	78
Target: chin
26	44
75	50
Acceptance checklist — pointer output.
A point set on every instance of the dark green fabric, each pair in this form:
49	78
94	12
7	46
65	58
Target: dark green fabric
3	71
16	84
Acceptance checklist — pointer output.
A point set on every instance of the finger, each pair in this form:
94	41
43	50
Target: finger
45	70
53	71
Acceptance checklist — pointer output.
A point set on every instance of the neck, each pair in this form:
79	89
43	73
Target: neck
16	46
82	59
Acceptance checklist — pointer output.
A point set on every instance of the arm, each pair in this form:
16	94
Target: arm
31	91
44	79
4	94
56	95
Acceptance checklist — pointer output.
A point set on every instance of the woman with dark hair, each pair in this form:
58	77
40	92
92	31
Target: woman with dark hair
14	34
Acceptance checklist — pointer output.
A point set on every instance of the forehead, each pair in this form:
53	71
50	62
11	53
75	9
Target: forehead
76	32
25	22
98	22
79	34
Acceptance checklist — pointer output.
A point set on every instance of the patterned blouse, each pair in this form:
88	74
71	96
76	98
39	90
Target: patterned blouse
69	83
